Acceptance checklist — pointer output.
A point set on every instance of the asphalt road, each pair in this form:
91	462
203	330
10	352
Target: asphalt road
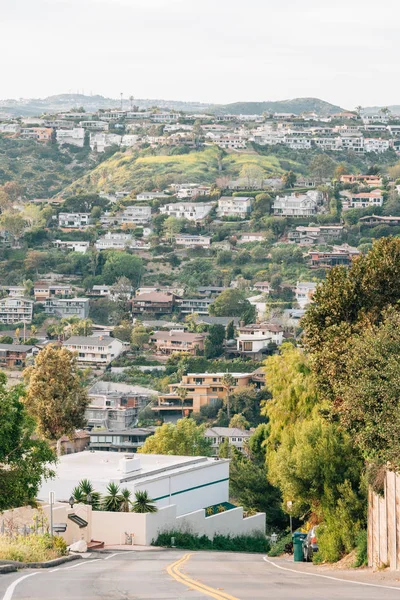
176	575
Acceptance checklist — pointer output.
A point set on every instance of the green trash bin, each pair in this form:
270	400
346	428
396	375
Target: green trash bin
298	538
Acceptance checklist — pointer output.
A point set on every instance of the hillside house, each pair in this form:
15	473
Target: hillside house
168	342
99	350
297	205
254	340
15	310
73	220
236	437
304	292
153	302
203	389
67	307
340	255
234	206
14	356
192	211
192	241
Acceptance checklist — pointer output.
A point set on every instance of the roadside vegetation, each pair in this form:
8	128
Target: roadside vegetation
32	548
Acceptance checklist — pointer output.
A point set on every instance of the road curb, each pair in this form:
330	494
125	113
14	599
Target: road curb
14	565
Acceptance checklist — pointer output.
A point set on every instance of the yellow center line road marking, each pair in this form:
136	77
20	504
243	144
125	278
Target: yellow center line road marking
175	573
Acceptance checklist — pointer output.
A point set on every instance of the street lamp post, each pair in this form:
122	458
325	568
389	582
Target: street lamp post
289	505
52	496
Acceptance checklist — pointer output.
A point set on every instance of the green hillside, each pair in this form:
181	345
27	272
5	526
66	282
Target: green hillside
140	172
42	169
295	106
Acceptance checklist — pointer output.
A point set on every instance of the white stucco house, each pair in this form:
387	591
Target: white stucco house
99	350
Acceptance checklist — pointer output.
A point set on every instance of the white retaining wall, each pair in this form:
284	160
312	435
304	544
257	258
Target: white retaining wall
111	527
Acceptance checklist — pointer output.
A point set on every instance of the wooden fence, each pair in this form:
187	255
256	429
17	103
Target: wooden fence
384	524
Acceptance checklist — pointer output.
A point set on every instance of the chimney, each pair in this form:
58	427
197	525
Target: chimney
241	324
129	463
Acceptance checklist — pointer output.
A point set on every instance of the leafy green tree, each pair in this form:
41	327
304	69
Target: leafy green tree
253	174
309	457
262	206
171	227
55	395
24	459
367	394
213	345
139	336
239	421
230	331
6	339
289	179
250	488
143	503
183	439
233	303
348	301
322	167
122	264
123	331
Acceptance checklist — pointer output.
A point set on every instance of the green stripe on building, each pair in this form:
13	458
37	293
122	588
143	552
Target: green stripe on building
197	487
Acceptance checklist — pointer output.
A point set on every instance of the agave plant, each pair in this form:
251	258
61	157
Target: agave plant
113	500
86	494
125	500
143	504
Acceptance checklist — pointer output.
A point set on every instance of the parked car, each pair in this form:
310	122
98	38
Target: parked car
310	544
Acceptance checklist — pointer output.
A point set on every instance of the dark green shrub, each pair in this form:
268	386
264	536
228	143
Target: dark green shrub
227	543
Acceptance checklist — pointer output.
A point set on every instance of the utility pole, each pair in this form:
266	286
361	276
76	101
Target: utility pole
121	99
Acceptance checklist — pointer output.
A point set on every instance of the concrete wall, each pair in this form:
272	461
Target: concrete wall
111	527
384	524
230	522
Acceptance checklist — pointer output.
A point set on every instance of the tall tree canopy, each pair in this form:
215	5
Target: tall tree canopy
347	302
23	460
233	303
56	397
183	439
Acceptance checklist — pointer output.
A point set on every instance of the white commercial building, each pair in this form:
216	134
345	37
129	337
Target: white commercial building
183	488
192	211
234	206
99	350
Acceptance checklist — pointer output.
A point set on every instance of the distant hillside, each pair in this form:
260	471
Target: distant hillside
295	106
66	102
138	171
373	110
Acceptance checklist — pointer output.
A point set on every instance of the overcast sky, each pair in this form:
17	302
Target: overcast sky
344	51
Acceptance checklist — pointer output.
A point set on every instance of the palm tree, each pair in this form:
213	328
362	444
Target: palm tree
228	382
143	504
125	500
112	501
182	393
